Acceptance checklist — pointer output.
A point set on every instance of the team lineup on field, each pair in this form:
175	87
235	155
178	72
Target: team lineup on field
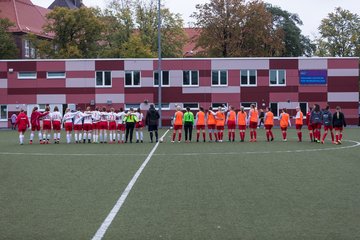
117	127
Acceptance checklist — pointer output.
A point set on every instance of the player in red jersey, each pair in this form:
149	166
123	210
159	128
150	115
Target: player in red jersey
35	123
96	124
177	123
253	121
299	122
311	133
339	123
88	124
200	124
121	126
104	125
22	121
211	123
241	122
68	124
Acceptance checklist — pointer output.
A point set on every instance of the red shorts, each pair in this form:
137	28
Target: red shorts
46	125
242	127
35	127
309	127
68	126
22	129
253	125
326	128
104	125
231	125
87	127
283	128
56	125
177	127
338	128
139	124
211	126
112	125
96	125
268	126
298	126
316	126
219	128
199	127
78	127
121	127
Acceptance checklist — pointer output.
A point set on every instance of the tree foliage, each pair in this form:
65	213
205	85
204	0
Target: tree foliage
295	44
339	34
77	33
8	48
234	28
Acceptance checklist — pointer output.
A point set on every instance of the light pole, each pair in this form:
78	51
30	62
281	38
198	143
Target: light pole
159	63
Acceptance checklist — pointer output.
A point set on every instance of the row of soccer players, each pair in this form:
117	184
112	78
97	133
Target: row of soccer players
216	121
89	126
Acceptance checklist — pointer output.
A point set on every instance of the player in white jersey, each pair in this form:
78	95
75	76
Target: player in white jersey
139	126
68	123
56	118
88	125
104	125
120	126
46	126
78	125
96	124
112	125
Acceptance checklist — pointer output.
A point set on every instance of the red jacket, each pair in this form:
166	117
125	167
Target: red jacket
22	121
35	118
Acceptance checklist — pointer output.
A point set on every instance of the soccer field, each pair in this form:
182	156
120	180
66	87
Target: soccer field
263	190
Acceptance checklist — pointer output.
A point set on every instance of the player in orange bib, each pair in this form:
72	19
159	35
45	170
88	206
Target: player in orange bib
269	123
200	124
211	123
241	122
178	122
220	123
284	123
231	123
253	122
299	122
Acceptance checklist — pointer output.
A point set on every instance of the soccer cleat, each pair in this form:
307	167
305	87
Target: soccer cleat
284	140
318	141
333	142
339	141
172	141
142	141
137	141
322	142
272	139
179	141
89	141
30	142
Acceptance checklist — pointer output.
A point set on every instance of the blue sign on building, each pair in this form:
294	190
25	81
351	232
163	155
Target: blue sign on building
313	77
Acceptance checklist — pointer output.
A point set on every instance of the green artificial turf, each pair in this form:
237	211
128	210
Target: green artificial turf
262	190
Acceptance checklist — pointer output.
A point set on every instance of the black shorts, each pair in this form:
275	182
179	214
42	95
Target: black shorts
152	128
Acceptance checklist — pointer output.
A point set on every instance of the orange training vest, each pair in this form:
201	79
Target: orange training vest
254	115
284	122
299	121
269	120
220	118
200	118
232	116
178	118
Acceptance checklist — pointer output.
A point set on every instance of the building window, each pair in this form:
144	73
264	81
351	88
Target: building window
247	105
55	75
103	79
216	105
164	106
27	48
277	77
132	78
248	77
274	109
3	113
164	78
303	108
27	75
134	106
219	78
192	106
190	78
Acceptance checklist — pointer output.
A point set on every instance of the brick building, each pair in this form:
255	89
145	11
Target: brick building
276	82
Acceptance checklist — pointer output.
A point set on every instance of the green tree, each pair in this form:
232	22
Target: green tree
118	25
339	34
134	48
233	28
295	44
173	36
8	49
77	33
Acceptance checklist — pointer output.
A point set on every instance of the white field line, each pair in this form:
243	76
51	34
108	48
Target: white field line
110	217
356	144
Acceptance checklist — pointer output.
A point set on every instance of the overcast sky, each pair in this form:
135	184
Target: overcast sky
310	11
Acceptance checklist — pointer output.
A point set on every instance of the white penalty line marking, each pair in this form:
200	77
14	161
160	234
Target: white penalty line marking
114	211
